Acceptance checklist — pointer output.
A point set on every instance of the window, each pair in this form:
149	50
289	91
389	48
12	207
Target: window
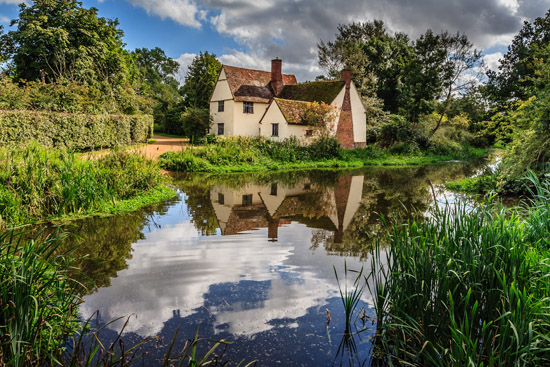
221	198
220	129
307	186
309	132
274	129
247	200
221	106
248	107
274	189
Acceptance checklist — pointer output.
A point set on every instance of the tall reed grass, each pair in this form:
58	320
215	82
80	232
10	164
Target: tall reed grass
38	301
38	183
466	287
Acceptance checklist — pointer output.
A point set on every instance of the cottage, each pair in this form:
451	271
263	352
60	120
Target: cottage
250	102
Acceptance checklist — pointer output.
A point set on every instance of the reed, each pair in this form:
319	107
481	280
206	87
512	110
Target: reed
38	301
465	286
38	183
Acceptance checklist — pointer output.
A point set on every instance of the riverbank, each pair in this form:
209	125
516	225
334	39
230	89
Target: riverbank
40	184
256	155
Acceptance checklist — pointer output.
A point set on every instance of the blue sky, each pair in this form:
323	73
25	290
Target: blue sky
249	33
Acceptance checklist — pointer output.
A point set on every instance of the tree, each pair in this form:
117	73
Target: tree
60	40
200	80
513	82
460	58
158	80
375	58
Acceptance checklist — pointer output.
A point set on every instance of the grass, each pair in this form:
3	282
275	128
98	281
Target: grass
474	185
466	286
238	154
170	135
38	184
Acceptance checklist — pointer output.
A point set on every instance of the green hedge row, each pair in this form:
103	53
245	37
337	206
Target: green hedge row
74	131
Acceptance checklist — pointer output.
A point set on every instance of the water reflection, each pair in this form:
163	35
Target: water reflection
249	258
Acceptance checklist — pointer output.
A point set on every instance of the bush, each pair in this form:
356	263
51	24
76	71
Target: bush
401	136
72	97
73	131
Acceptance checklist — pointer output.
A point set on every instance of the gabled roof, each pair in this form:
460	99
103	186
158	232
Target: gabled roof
248	85
293	111
322	91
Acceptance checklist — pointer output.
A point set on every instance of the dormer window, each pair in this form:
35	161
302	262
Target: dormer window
221	106
248	107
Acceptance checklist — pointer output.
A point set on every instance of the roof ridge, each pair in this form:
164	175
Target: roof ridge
263	71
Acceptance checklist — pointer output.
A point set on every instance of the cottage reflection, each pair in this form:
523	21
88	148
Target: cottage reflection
276	204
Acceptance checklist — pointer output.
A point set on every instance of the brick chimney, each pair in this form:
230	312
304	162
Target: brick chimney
344	130
346	77
276	75
273	229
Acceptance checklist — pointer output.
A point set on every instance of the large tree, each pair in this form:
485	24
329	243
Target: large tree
513	80
158	80
61	40
375	57
408	76
200	80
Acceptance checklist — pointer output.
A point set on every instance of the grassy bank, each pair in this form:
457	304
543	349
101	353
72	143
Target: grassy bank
237	154
466	286
39	184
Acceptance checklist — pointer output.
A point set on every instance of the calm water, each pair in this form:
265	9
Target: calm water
249	259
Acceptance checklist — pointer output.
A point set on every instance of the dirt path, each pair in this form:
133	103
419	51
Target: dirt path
162	145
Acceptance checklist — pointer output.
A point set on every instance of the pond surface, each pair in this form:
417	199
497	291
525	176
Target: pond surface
249	259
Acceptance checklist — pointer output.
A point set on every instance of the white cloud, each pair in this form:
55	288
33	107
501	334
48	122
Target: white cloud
12	1
185	12
491	61
291	29
184	60
4	19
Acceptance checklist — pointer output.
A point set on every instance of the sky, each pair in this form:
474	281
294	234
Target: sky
249	33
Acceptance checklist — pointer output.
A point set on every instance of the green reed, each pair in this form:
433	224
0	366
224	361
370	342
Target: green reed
38	183
466	287
38	301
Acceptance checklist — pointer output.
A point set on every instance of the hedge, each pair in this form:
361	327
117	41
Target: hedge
74	131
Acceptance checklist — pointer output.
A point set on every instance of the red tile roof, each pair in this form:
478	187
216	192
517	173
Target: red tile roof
248	85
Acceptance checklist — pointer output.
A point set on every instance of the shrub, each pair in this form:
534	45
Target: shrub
72	97
73	131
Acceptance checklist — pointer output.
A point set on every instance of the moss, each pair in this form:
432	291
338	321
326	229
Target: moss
312	92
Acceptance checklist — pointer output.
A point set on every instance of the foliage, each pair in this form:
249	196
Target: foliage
158	82
200	80
73	131
70	97
61	40
474	185
38	301
408	76
374	57
465	286
190	122
530	148
239	154
513	81
37	183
